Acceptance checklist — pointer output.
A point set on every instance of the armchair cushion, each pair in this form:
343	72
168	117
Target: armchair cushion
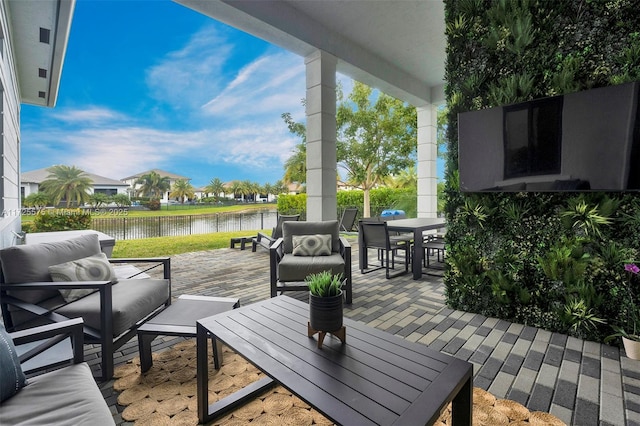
92	268
12	378
30	263
311	245
297	268
289	229
132	300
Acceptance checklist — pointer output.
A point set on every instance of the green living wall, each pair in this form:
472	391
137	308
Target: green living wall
550	260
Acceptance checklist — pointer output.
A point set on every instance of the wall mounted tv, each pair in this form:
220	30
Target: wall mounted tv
584	141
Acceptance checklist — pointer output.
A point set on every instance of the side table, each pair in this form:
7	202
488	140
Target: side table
179	319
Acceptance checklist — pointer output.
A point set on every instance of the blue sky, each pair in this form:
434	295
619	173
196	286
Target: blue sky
152	84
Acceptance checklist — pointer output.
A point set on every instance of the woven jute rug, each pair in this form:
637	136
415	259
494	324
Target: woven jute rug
166	395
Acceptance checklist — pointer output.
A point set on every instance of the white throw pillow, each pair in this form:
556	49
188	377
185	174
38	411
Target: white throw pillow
311	245
92	268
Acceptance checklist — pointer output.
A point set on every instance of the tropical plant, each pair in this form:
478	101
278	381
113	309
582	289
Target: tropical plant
235	188
153	185
182	189
630	328
324	284
36	199
121	200
215	187
98	199
580	318
67	183
586	218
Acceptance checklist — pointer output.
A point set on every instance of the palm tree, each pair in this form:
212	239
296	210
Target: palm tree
215	187
37	200
153	185
68	183
182	189
236	188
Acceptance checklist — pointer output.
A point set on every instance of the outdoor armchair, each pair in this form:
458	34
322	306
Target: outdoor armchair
267	240
66	394
112	308
293	266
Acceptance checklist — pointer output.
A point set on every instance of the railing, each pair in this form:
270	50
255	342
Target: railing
129	228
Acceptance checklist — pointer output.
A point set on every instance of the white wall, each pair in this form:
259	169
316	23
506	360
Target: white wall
10	146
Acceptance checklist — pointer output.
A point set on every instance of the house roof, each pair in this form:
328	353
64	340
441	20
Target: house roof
37	176
162	173
40	33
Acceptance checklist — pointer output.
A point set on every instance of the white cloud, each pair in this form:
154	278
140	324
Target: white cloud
272	82
187	76
89	114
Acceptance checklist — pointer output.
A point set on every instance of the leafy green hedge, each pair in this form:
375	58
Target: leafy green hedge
554	261
381	199
60	220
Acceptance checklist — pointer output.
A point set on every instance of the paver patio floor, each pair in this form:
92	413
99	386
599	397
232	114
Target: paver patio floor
581	382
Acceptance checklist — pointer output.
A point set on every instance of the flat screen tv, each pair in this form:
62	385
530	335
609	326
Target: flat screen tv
584	141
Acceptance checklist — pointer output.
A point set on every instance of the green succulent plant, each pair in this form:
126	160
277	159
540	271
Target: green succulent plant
324	284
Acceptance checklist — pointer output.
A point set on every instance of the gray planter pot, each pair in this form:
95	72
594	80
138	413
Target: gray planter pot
325	313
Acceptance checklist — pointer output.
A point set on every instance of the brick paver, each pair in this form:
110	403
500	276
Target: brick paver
580	382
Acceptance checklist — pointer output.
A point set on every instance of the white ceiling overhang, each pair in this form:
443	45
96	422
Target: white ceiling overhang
39	63
397	46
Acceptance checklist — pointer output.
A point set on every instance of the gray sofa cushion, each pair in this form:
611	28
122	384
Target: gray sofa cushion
132	300
291	228
68	396
30	263
296	268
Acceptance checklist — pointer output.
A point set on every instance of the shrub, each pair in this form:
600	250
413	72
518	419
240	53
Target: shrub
61	220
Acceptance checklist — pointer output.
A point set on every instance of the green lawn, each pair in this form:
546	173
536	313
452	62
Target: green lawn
166	246
174	210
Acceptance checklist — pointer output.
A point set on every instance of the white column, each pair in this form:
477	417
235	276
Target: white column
427	155
321	136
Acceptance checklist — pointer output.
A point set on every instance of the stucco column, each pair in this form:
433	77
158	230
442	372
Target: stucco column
321	136
427	155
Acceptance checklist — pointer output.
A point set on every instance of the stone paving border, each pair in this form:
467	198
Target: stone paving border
581	382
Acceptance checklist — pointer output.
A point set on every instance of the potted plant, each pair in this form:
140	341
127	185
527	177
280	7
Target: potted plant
325	301
629	331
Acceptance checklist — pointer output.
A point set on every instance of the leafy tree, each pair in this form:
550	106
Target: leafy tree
407	178
295	167
182	189
215	187
121	200
36	199
153	185
376	138
280	188
68	183
98	199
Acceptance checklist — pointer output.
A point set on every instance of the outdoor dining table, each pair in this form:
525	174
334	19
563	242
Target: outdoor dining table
417	226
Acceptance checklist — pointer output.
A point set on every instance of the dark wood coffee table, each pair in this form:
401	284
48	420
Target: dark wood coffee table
374	378
179	319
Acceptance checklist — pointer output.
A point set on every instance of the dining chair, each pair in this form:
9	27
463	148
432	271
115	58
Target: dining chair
375	235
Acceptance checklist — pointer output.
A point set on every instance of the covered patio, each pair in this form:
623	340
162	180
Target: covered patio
577	381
